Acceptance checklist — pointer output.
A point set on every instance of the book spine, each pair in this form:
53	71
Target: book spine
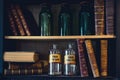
92	58
82	61
104	57
35	65
12	23
17	20
22	18
99	17
22	71
109	17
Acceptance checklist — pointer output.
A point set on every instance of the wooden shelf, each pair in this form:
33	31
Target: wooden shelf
60	37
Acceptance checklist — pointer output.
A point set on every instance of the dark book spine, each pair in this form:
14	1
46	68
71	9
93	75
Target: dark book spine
22	18
12	23
99	17
92	58
35	65
104	58
22	71
109	17
17	20
82	61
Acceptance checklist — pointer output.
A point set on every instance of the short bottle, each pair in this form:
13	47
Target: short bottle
45	20
55	66
69	61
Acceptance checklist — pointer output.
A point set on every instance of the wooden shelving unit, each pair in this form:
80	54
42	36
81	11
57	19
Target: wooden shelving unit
61	37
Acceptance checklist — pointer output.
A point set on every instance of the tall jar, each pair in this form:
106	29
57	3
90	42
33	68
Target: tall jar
55	66
69	61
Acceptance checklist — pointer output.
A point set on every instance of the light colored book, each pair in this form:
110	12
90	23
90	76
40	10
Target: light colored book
21	56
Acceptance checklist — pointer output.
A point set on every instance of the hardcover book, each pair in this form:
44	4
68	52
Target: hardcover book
104	57
22	71
82	60
20	56
92	58
99	17
109	17
17	20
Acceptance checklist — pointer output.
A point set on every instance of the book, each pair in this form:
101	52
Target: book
20	56
99	17
22	18
82	60
104	57
12	23
109	16
25	65
22	71
92	58
17	20
31	22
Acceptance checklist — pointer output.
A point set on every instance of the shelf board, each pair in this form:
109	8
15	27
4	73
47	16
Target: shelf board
60	37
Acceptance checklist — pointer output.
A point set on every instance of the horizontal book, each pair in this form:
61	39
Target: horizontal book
37	65
20	56
22	71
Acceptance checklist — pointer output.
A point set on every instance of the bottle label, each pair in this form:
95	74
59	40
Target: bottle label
54	58
69	59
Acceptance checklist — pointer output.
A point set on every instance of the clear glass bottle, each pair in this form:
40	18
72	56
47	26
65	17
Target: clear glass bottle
69	61
45	20
64	20
55	66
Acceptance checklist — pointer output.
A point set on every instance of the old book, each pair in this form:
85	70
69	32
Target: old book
22	71
104	57
20	56
37	65
31	22
17	20
22	18
99	17
109	16
12	23
82	60
92	58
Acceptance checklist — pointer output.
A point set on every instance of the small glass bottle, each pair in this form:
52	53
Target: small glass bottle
69	61
55	66
64	20
45	20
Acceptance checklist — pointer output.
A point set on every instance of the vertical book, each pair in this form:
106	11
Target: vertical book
104	57
99	17
82	61
109	17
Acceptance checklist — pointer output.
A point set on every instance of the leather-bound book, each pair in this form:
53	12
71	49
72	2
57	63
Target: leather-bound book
17	20
22	18
22	71
104	57
82	60
99	17
109	16
92	58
